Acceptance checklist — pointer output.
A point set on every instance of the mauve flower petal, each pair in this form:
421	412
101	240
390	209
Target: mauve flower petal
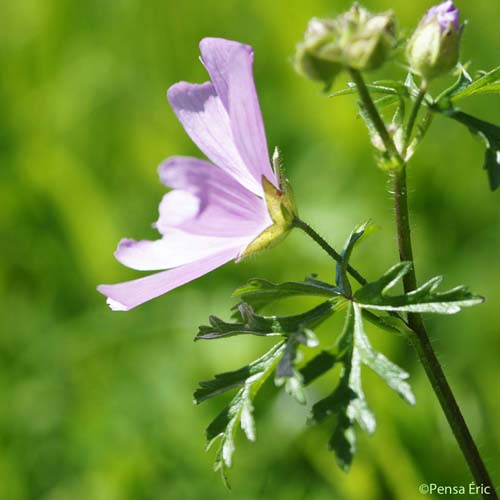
225	208
175	249
215	56
205	119
127	295
230	65
177	208
446	13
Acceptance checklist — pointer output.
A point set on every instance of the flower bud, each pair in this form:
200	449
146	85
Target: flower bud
435	45
356	39
367	38
317	57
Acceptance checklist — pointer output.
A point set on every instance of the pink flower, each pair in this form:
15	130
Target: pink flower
216	210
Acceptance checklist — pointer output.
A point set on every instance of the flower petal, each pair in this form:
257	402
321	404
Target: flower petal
230	66
223	208
175	249
127	295
177	208
206	121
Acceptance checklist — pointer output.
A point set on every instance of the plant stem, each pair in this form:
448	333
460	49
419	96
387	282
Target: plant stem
421	343
374	115
419	336
413	116
299	223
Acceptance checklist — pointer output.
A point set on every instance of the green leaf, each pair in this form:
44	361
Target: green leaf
223	428
343	442
359	232
230	380
386	101
347	402
392	374
385	87
286	373
348	397
392	324
372	129
317	366
443	101
259	292
251	323
488	83
411	87
425	299
490	135
399	115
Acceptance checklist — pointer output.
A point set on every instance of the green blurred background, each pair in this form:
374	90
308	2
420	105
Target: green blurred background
98	405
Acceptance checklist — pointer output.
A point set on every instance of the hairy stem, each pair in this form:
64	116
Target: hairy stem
420	341
419	337
413	116
374	115
299	223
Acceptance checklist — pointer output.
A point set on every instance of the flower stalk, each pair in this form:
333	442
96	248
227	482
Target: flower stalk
413	115
374	115
419	337
300	224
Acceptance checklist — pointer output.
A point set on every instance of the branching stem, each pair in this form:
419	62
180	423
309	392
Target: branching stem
419	337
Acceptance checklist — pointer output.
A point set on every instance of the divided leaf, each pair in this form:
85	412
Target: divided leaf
392	374
425	299
487	83
444	100
317	366
229	380
259	292
347	402
355	237
286	373
490	135
251	323
384	87
240	410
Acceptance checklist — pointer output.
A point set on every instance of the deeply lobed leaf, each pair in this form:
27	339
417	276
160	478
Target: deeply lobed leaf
425	299
259	292
239	411
251	323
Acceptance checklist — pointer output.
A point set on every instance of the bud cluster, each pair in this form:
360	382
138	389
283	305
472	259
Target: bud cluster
363	41
356	39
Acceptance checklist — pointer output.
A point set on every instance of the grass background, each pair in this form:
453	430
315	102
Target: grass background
97	405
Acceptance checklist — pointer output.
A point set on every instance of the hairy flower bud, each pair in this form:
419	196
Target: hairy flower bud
435	45
317	57
356	39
